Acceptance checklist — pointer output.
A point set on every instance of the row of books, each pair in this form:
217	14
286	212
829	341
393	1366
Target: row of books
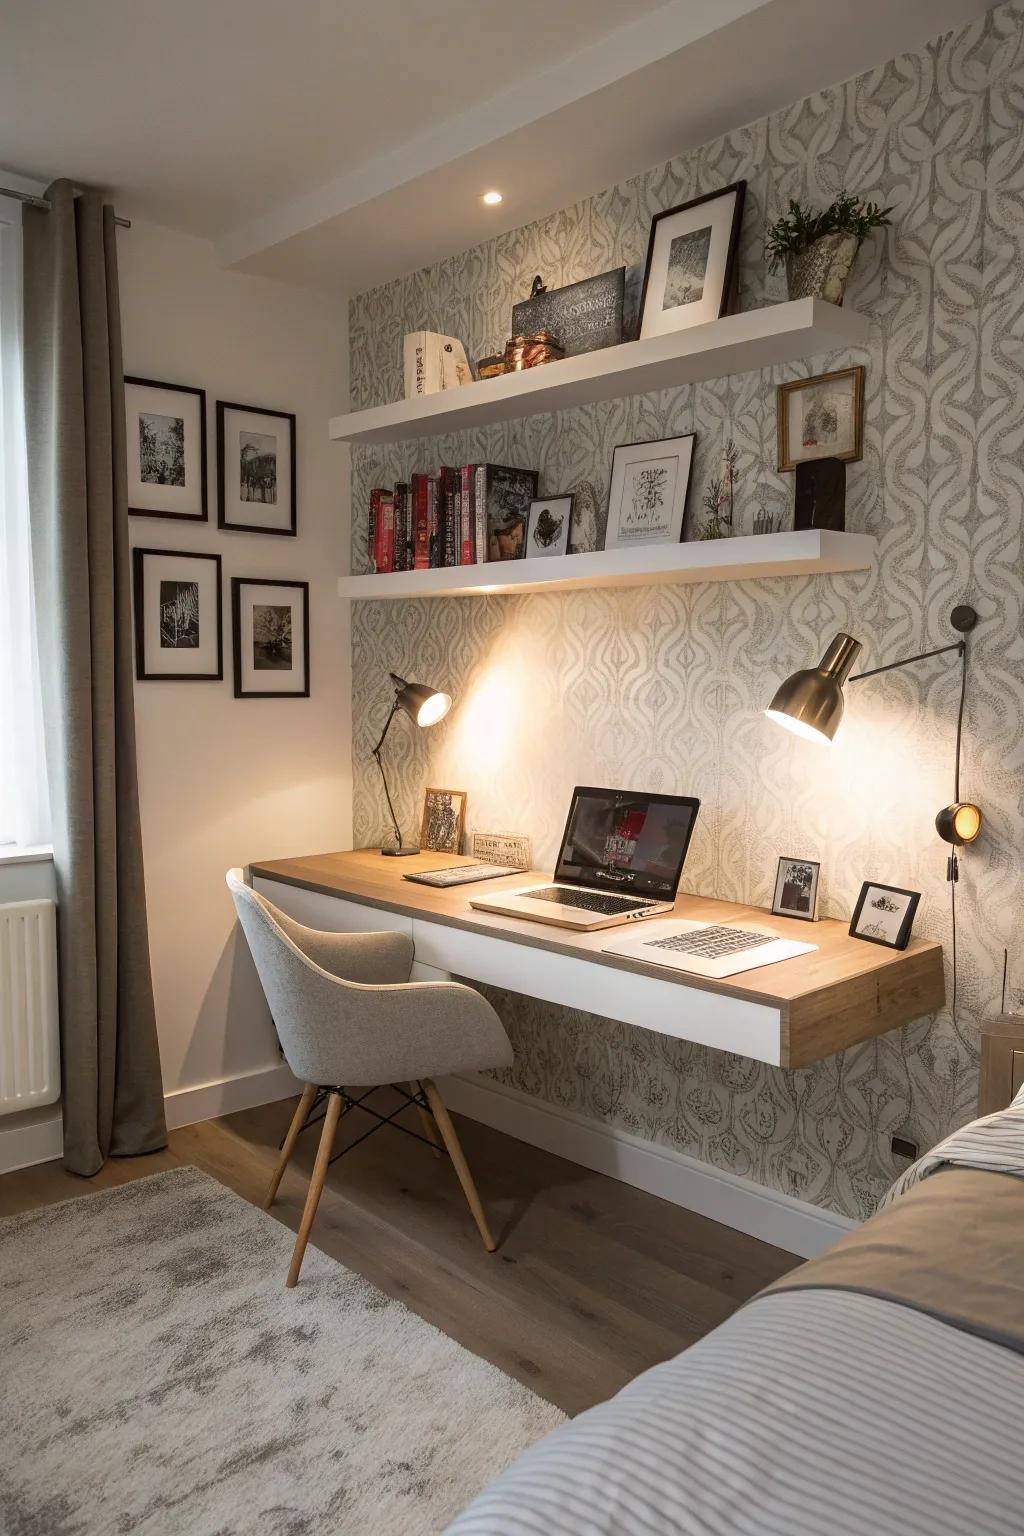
456	517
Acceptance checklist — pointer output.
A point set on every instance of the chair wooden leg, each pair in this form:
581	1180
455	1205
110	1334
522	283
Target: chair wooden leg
298	1121
430	1129
316	1184
451	1141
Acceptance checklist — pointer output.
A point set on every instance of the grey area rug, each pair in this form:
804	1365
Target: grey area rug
157	1377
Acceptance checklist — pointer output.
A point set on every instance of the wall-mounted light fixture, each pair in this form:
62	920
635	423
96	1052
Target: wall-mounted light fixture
424	705
492	198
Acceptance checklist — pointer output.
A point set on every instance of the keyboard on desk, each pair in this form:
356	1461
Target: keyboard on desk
589	901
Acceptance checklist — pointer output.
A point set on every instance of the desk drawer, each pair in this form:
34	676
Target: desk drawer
331	914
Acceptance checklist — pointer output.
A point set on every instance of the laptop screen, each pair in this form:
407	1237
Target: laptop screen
633	843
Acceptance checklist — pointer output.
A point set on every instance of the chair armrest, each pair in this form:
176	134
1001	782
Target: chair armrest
367	958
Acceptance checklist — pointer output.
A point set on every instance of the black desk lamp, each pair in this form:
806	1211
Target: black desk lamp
424	705
810	703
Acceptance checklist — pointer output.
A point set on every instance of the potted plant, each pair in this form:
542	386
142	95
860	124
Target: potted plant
818	248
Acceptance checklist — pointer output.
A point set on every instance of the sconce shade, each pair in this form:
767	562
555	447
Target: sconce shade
810	703
959	824
426	706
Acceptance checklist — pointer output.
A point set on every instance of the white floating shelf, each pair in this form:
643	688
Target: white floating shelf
760	338
814	551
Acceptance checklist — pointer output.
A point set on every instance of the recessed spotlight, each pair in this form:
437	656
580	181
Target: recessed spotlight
492	198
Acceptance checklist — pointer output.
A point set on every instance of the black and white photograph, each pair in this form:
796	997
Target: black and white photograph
821	418
270	631
444	820
647	500
884	914
691	262
548	527
178	616
796	889
166	441
256	477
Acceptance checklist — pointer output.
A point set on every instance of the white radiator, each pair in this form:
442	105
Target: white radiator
29	1043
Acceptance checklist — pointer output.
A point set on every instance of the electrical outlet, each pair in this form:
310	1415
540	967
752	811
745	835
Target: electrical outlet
903	1147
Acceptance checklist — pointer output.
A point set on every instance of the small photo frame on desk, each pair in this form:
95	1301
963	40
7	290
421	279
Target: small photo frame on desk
444	820
884	914
796	889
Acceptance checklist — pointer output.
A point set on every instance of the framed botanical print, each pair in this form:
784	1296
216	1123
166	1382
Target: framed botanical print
647	501
270	629
548	527
821	418
444	820
691	262
255	469
178	617
884	914
166	443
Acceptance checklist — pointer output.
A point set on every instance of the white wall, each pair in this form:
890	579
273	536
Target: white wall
226	781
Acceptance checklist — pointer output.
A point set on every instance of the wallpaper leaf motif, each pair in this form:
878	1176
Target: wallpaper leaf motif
665	686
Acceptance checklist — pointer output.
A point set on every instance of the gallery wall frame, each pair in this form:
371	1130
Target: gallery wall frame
255	492
166	451
286	659
185	631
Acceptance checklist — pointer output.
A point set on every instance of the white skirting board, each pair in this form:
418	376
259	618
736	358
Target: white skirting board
206	1101
22	1146
776	1218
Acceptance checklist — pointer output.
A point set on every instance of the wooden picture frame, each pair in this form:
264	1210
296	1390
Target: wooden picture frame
786	867
181	493
674	245
185	571
844	382
444	820
273	656
255	477
890	928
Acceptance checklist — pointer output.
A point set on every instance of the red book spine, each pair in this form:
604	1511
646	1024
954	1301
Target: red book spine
467	520
435	542
421	522
386	533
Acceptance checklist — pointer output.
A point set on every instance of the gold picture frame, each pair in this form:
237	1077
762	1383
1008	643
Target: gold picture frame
444	820
831	407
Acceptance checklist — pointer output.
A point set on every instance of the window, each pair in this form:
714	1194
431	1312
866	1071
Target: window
24	803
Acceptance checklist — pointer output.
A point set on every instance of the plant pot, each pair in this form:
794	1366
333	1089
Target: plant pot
822	270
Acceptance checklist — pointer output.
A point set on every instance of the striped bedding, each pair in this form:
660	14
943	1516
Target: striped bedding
809	1412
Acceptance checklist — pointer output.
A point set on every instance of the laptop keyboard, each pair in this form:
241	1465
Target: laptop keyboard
711	943
590	901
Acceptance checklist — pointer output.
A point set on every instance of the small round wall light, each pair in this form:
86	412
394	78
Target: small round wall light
492	199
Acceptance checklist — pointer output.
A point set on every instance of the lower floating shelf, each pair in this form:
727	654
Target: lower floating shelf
809	552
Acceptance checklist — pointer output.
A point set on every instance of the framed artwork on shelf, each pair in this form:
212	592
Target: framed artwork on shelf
179	635
647	500
691	262
548	527
270	630
166	442
796	889
884	914
444	820
255	469
821	418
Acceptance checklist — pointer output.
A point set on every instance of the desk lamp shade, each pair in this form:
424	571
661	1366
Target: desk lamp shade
426	706
810	703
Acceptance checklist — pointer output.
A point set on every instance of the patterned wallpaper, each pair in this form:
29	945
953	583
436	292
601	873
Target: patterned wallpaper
664	687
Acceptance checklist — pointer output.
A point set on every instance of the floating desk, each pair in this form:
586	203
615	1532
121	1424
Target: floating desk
788	1014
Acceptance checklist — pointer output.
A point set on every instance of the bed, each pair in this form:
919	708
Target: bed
877	1389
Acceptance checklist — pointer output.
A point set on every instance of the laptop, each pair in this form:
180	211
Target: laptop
620	862
716	950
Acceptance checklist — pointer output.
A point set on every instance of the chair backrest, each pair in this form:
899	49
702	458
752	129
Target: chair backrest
310	1007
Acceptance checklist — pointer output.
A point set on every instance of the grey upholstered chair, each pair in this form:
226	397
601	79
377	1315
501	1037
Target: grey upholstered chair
346	1013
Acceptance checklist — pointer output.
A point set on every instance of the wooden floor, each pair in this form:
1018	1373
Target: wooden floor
592	1283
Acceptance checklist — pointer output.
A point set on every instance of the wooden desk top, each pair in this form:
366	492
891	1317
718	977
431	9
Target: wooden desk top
844	992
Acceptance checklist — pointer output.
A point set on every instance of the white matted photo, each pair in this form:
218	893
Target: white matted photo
821	418
270	629
884	914
691	262
178	619
548	526
166	449
796	889
255	469
647	500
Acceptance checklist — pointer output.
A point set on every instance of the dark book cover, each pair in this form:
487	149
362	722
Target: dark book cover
420	522
503	509
372	527
435	523
403	526
449	510
467	519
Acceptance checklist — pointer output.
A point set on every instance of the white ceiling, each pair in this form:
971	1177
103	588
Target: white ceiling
344	143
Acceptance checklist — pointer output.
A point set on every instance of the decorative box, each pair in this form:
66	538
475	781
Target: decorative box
581	318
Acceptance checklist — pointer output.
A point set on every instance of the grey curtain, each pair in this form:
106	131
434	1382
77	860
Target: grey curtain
74	405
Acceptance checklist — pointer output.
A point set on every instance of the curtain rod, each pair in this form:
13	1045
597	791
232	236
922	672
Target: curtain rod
40	202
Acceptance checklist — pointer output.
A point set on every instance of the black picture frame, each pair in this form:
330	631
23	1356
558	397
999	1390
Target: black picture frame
613	535
537	506
203	516
902	938
778	910
223	522
241	692
142	672
737	189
